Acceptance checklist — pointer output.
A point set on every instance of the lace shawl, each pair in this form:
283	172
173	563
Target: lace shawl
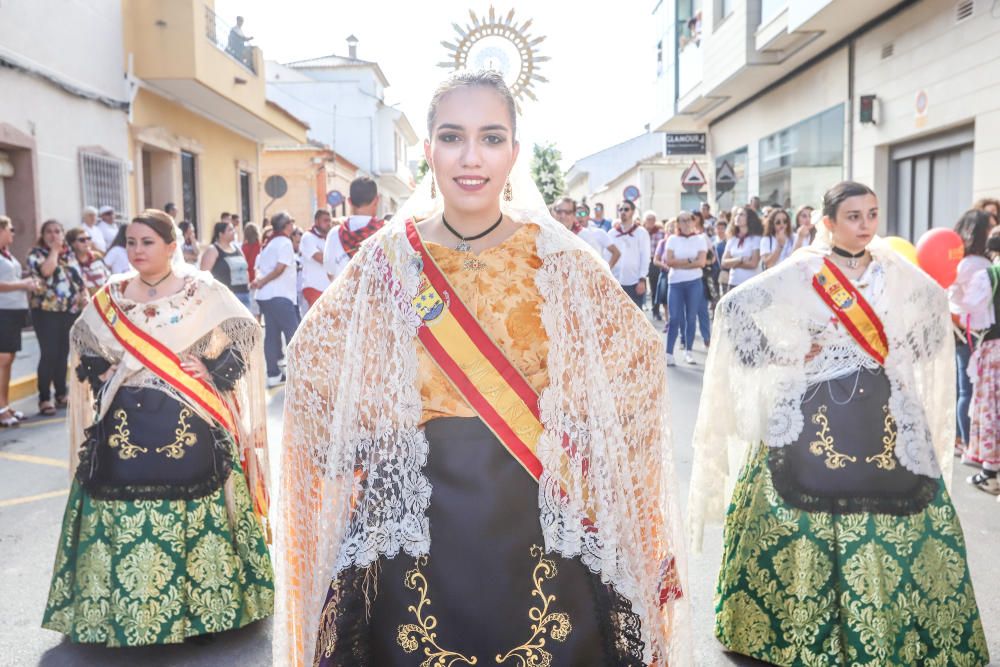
351	438
763	332
203	319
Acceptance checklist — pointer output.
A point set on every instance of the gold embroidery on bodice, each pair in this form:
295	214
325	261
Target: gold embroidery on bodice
183	437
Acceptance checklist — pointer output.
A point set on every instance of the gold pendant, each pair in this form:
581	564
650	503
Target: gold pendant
473	264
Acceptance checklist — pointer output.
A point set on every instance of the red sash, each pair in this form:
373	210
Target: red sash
351	241
478	369
852	310
490	383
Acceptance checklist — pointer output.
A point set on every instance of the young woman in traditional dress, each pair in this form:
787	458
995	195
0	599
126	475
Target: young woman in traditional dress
162	538
841	546
477	466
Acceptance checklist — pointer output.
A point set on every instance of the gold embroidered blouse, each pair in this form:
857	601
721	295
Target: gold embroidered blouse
505	300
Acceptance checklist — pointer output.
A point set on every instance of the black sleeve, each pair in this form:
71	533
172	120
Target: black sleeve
226	368
91	369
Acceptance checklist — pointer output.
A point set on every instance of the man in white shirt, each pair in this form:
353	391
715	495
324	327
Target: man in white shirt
277	293
107	225
343	245
575	219
633	242
89	224
314	276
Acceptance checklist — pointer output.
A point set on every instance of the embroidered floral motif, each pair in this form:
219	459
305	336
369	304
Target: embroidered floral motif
183	437
411	636
556	624
801	588
824	445
120	438
886	460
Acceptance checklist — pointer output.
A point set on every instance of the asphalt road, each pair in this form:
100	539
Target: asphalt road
34	479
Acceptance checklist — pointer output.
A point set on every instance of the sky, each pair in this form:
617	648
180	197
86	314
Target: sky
601	72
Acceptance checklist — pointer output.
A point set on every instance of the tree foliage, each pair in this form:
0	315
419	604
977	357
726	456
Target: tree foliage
546	172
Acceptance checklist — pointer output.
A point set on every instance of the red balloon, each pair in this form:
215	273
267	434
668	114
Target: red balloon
939	251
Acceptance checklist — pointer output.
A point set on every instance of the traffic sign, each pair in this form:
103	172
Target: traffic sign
694	177
334	198
725	177
275	187
631	193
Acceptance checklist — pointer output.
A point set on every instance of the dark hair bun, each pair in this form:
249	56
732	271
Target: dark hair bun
159	222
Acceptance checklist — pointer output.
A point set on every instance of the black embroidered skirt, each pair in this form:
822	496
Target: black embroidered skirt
844	459
487	593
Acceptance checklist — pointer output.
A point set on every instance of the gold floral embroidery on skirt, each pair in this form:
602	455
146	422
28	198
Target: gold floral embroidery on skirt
554	623
531	653
423	630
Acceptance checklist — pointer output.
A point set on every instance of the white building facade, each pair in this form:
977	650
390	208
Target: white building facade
343	101
641	162
64	116
796	95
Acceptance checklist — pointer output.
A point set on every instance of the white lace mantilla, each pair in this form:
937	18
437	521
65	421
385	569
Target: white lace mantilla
351	438
774	337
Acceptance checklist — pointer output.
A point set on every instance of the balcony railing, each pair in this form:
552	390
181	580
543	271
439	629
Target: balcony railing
229	39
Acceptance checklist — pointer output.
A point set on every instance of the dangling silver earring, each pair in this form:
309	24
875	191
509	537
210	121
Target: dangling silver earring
508	192
433	187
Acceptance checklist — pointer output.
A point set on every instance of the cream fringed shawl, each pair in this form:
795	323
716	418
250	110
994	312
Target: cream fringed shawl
203	319
757	370
353	404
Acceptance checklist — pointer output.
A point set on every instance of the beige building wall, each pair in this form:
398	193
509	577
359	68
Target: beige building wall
823	87
958	66
922	49
164	129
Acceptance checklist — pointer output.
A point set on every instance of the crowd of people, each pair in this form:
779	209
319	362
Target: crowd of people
475	392
276	270
694	256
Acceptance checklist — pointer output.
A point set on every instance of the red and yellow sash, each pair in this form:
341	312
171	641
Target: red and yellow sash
465	353
852	310
491	384
167	366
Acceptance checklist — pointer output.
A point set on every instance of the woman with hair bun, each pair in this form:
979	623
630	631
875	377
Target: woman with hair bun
163	537
476	462
841	543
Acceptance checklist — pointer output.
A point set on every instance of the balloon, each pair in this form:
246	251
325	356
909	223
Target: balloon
939	251
903	247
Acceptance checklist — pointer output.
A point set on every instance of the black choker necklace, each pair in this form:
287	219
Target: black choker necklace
852	258
152	286
463	243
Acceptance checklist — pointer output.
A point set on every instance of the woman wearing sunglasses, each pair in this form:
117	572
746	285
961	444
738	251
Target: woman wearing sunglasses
93	270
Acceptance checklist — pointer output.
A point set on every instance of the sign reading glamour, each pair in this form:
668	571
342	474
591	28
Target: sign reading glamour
686	143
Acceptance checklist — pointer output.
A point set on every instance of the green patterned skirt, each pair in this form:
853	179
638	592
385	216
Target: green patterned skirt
131	573
820	589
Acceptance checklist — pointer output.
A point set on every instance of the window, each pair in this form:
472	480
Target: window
244	196
189	188
799	163
771	8
731	193
103	181
723	9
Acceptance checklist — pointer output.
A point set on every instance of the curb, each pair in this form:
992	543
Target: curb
23	387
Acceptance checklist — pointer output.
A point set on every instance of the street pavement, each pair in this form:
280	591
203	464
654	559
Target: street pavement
34	480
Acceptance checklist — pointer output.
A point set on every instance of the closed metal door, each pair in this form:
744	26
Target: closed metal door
930	189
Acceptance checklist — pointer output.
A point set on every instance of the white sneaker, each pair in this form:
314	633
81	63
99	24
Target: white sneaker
670	360
688	357
275	381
